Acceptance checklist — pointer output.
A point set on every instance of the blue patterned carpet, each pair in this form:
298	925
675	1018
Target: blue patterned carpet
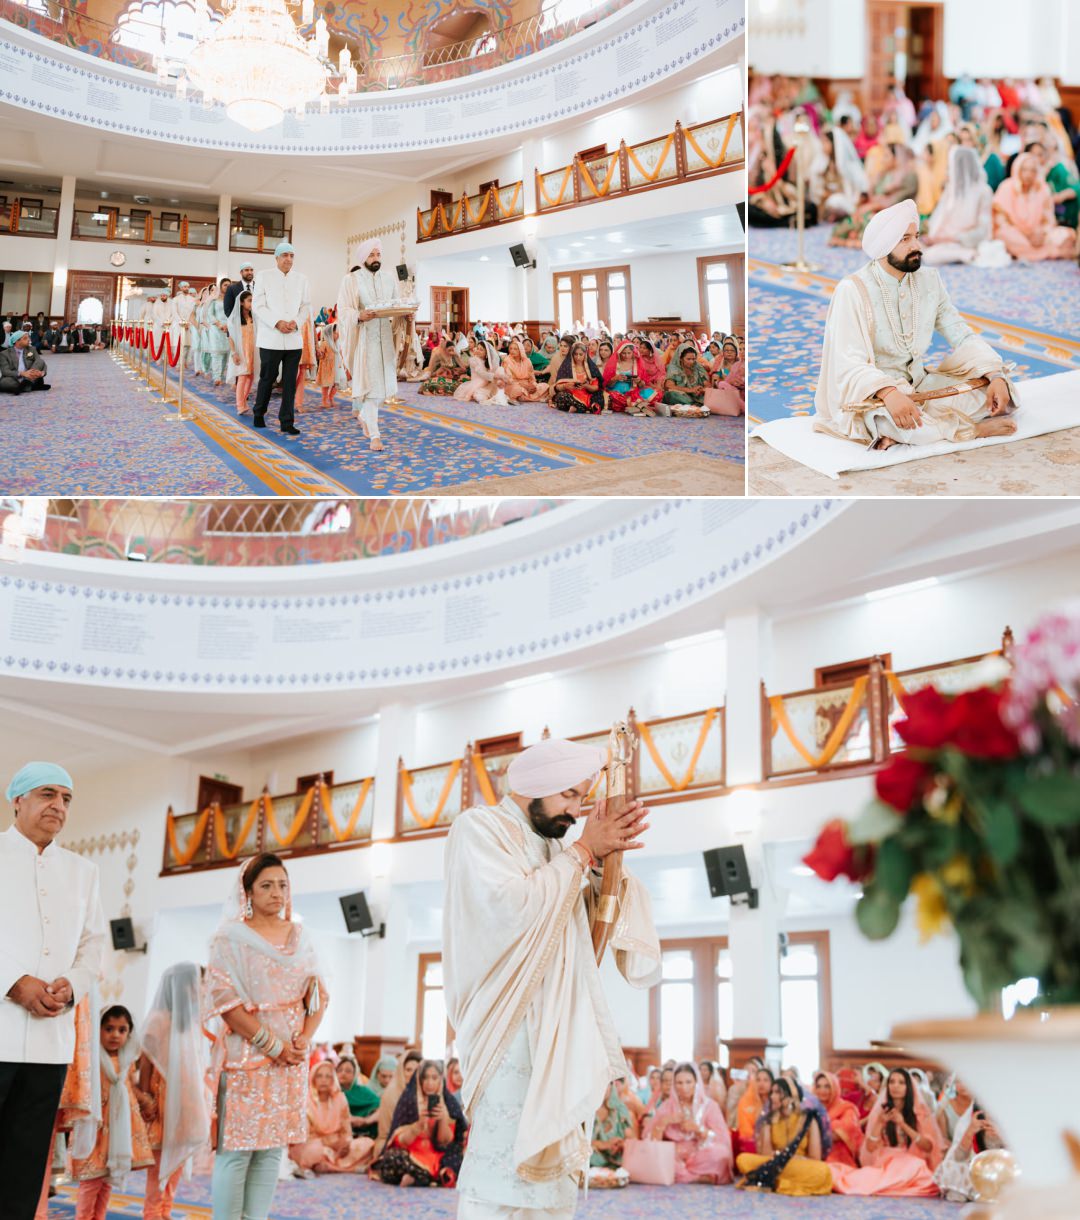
348	1198
1030	312
93	434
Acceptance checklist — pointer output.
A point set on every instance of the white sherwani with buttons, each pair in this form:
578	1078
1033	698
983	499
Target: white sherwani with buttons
877	334
538	1045
368	348
51	926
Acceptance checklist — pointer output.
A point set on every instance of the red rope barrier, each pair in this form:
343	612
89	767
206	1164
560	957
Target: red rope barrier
768	186
173	360
155	356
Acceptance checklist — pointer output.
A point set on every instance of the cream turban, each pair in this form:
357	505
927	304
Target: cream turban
553	766
886	230
366	248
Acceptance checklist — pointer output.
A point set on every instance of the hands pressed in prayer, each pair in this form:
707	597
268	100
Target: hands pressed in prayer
606	832
904	410
998	396
36	997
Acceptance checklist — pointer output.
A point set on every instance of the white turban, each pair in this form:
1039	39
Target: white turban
886	230
366	247
554	766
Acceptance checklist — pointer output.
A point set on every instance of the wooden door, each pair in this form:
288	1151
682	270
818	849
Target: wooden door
211	790
886	34
440	308
459	309
82	285
443	197
925	78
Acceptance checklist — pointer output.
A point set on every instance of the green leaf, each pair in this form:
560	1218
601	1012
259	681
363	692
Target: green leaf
877	913
1051	800
876	821
894	870
1002	828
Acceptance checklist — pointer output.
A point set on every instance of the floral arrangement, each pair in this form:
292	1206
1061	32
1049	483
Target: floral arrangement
979	819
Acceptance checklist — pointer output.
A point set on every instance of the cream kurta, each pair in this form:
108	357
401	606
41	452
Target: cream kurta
161	316
863	354
538	1045
183	306
368	348
278	297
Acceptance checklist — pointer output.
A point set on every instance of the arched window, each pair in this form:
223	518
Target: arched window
166	29
91	311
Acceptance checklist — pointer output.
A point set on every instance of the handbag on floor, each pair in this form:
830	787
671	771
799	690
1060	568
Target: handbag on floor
651	1162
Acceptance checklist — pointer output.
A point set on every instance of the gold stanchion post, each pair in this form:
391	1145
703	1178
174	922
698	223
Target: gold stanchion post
144	372
802	133
178	415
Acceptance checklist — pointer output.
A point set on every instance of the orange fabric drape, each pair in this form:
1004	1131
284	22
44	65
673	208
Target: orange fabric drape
434	221
340	835
476	219
554	203
723	147
287	840
836	737
600	191
194	842
440	805
630	152
231	851
509	211
679	785
487	789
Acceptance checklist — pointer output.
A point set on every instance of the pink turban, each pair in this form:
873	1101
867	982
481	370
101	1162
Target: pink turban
554	766
886	230
366	247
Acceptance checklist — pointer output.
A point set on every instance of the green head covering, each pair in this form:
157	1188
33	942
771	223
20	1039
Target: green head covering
37	775
387	1064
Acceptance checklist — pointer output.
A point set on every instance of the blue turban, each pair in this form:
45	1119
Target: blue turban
37	775
283	247
251	267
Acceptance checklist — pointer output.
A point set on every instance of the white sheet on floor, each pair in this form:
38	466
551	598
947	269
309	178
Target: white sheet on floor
1047	404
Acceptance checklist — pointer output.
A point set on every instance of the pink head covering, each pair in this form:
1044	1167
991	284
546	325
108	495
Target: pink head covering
612	365
671	1111
886	230
366	247
554	766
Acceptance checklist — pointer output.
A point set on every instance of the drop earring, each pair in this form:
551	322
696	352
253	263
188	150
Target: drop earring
247	909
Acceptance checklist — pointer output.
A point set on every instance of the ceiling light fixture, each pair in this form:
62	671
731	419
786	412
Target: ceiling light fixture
531	680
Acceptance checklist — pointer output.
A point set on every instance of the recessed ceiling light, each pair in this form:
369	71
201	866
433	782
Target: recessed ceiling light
484	258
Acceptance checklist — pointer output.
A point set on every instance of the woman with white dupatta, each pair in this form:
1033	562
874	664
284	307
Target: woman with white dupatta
963	218
264	981
852	173
243	367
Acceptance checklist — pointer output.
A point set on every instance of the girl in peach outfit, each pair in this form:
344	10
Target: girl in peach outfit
522	385
121	1143
243	365
330	1146
325	376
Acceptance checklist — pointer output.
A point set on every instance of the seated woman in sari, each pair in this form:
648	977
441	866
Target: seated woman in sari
650	1091
446	370
605	350
667	1083
752	1104
695	1124
487	381
899	180
404	1070
713	1080
902	1148
427	1137
542	357
975	1133
614	1125
685	383
874	1077
625	383
651	369
578	386
382	1074
521	385
847	1136
330	1146
363	1102
454	1078
1024	215
962	218
789	1148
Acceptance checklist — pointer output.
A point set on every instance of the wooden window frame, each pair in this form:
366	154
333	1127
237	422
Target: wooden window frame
498	745
30	208
846	672
423	961
304	782
604	309
820	940
703	951
736	290
169	218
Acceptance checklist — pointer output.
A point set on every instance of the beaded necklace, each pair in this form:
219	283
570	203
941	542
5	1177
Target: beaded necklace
905	340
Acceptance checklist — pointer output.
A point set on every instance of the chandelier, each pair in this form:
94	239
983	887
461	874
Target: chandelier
257	64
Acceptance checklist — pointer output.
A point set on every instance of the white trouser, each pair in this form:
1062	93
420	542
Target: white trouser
473	1209
367	409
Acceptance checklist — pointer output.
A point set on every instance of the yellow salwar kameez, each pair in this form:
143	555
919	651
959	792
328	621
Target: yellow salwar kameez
802	1175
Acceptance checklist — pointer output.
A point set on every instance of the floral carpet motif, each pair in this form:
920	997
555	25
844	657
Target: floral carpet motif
347	1197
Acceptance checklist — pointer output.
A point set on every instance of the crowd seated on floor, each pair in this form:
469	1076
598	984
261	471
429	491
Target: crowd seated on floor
589	371
54	334
992	169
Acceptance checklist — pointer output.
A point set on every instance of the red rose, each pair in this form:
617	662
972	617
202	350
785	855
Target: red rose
833	856
928	719
901	782
977	727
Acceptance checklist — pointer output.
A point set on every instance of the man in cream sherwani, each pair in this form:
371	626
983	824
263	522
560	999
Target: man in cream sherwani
538	1046
183	306
161	316
880	324
280	305
52	934
368	344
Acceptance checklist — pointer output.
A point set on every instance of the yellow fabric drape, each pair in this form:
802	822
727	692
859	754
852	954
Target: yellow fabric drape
420	222
554	203
602	190
679	785
487	789
440	805
723	147
836	737
632	154
340	835
509	210
188	854
287	840
226	851
476	219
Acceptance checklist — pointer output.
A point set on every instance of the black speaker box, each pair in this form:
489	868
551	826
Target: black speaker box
123	933
357	916
728	874
402	272
520	256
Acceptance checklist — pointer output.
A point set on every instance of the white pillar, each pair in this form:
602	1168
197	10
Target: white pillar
533	297
224	226
396	738
748	641
62	257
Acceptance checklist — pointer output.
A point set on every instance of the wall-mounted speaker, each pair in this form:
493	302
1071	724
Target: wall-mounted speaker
123	935
728	874
521	256
402	272
354	907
